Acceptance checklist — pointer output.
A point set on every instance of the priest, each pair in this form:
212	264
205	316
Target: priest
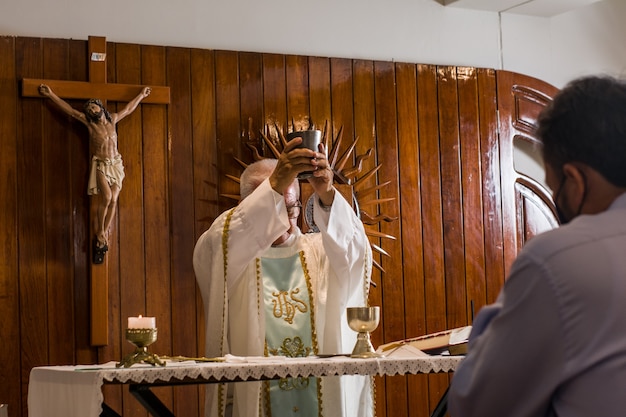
270	290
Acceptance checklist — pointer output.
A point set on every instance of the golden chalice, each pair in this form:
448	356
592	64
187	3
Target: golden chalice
363	320
141	339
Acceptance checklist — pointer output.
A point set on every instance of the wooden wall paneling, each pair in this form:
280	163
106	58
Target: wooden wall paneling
434	130
156	178
228	118
10	348
183	283
297	77
130	214
205	160
473	283
79	158
56	176
411	223
31	219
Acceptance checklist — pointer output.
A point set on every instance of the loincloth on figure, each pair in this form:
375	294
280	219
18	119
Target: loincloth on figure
113	170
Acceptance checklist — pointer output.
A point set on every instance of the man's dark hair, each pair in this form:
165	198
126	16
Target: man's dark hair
586	122
98	103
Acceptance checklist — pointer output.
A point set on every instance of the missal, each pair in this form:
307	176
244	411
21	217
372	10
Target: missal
452	341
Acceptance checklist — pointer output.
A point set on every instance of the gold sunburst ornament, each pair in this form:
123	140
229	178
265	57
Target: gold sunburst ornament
347	169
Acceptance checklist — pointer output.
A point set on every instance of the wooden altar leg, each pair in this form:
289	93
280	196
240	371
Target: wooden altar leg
442	405
150	401
108	411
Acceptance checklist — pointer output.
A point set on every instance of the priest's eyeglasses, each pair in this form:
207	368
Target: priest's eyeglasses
293	211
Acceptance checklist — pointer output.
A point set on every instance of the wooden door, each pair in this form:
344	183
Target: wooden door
527	206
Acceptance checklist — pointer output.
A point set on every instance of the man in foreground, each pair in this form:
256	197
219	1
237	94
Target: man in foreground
554	342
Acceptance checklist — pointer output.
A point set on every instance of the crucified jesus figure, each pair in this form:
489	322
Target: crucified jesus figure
107	169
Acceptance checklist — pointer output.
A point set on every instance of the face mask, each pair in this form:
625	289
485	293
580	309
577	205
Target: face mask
564	218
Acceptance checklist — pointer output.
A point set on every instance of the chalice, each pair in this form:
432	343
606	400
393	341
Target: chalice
363	320
141	339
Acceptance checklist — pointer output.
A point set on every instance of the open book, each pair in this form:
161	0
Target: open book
454	341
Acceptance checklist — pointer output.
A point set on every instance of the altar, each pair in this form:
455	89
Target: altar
76	390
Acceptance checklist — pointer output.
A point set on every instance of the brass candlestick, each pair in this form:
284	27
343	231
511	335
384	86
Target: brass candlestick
363	320
141	338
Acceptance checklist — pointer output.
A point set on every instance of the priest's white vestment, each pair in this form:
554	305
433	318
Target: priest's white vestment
338	259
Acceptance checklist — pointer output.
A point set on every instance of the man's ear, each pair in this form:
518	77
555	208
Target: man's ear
577	182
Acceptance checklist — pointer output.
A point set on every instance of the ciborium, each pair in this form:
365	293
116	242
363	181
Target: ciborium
141	339
363	320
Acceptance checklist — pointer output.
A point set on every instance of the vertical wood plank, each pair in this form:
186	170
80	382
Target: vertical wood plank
432	208
156	178
31	218
56	176
297	77
319	91
251	98
275	91
492	202
205	160
364	105
99	272
473	228
205	155
78	140
10	349
183	283
450	151
117	345
411	223
228	117
130	214
392	289
342	96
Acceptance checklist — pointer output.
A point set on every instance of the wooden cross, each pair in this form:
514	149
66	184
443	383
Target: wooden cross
97	87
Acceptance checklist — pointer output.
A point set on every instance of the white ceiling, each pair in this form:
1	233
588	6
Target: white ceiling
545	8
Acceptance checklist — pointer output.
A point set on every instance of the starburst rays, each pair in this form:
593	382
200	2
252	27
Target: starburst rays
347	168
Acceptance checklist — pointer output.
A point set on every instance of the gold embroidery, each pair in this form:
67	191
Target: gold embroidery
291	348
221	392
307	278
287	304
290	384
258	287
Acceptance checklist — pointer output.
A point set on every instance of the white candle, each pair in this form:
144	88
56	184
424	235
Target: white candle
141	322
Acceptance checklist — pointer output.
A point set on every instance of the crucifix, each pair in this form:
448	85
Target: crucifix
109	173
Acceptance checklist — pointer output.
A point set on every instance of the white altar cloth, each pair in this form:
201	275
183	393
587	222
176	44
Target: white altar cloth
76	391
